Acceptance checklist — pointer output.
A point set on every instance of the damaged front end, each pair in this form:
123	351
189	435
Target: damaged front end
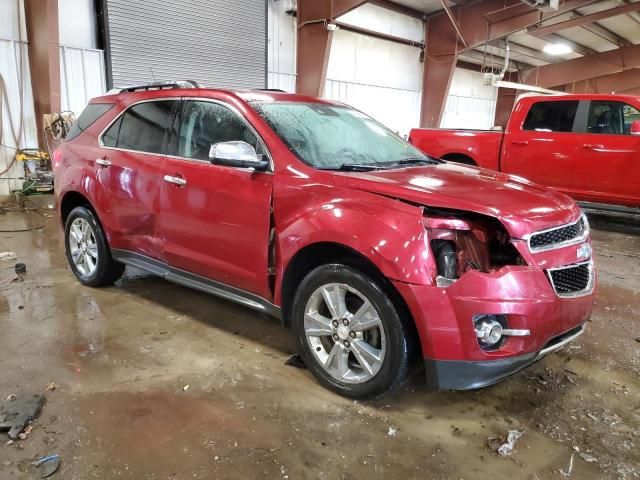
462	242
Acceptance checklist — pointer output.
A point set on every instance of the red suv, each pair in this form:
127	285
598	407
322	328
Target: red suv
370	251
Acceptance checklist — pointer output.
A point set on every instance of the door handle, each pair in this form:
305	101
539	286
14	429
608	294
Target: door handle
181	182
519	142
103	162
590	146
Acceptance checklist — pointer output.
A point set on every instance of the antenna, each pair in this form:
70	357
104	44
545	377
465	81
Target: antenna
152	74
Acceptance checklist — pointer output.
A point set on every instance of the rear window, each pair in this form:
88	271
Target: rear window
142	127
551	116
89	115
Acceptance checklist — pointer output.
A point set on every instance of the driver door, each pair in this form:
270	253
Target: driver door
215	219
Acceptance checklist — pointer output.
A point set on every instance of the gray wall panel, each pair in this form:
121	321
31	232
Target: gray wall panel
215	42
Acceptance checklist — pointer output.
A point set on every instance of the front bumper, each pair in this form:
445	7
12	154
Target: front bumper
467	375
524	295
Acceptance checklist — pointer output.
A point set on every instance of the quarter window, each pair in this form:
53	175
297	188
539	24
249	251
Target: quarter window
611	118
207	123
143	127
89	115
551	116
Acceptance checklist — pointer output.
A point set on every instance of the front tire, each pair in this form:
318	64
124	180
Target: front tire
87	250
350	334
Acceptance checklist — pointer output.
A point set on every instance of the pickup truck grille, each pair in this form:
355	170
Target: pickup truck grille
559	236
572	280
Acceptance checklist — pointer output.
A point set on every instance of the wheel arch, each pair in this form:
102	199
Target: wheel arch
323	253
71	200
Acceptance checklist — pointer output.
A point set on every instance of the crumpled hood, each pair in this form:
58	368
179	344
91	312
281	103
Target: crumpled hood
522	206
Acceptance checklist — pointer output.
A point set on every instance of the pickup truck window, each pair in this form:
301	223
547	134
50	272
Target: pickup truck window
556	116
331	137
613	118
206	123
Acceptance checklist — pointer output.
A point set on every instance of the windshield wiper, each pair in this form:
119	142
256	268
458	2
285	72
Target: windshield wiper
357	167
416	160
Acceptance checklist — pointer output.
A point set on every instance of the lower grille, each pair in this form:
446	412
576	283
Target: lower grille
572	280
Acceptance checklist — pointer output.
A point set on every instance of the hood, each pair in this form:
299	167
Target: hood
522	206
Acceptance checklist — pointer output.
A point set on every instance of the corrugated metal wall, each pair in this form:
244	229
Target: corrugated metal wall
215	42
470	103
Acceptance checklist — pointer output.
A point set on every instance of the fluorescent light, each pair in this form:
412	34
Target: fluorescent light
557	49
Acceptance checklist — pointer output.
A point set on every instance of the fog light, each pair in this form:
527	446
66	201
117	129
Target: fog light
488	331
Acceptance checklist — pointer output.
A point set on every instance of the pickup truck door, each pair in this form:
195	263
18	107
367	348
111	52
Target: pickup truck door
542	147
215	220
608	166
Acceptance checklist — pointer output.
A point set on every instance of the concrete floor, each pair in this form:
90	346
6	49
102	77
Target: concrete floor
122	359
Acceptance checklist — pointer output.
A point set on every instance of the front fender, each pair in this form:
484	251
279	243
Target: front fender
388	232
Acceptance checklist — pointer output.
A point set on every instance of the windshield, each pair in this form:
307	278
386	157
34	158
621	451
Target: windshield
337	138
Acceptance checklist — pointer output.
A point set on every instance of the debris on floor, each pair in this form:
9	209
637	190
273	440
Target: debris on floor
504	447
15	415
8	255
392	432
569	468
51	386
295	361
49	465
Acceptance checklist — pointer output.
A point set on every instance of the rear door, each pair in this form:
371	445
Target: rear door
215	219
129	170
608	166
542	148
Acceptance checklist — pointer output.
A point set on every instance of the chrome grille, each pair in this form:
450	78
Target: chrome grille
572	280
560	236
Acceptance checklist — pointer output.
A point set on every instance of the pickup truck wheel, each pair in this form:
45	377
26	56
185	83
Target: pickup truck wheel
349	333
87	250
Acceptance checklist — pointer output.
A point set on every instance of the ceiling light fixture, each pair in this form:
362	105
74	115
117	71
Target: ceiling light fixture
557	49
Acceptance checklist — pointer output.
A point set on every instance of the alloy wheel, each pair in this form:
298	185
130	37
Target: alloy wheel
345	333
83	247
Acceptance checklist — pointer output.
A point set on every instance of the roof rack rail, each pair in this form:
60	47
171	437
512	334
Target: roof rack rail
271	90
155	86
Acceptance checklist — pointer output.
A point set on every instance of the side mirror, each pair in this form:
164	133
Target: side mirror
635	128
237	154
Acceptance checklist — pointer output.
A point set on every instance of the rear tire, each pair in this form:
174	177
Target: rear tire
349	333
87	250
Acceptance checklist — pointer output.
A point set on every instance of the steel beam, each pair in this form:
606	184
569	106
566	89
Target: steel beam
314	41
583	68
622	82
44	59
582	20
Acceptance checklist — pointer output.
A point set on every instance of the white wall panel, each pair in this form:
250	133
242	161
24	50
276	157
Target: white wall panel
16	109
281	47
81	77
379	77
78	23
470	104
383	20
9	20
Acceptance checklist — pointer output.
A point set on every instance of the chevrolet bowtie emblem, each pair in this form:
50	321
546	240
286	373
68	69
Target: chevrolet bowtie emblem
584	251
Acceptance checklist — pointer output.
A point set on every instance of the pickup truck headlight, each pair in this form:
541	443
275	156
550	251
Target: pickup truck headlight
472	242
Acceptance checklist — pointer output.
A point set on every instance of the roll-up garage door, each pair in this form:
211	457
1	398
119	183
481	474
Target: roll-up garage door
218	43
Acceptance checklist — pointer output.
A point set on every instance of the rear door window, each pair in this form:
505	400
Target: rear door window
557	116
143	127
611	118
89	115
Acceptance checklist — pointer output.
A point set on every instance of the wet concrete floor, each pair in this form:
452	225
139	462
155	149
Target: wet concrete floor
156	381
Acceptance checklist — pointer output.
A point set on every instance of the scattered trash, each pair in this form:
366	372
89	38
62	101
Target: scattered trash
504	447
8	255
185	388
637	339
25	433
21	268
592	417
570	469
11	397
51	387
456	431
295	361
588	458
392	431
49	465
17	414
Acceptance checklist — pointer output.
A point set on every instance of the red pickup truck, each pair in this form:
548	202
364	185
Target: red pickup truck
587	146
